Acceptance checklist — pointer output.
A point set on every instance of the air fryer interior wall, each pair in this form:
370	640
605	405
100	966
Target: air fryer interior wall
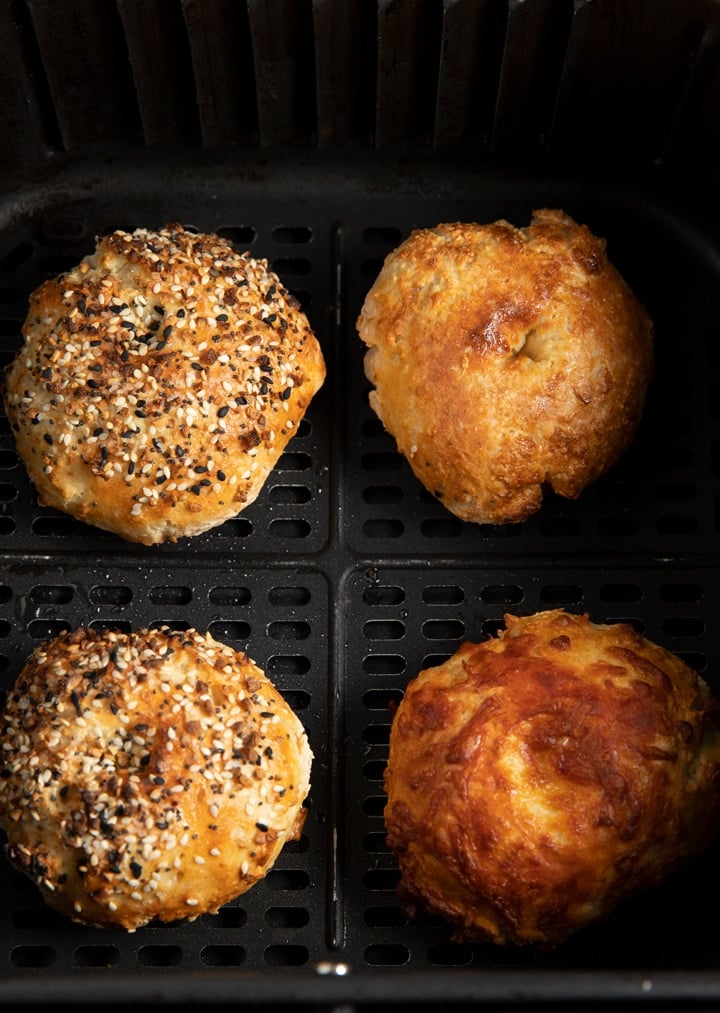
345	578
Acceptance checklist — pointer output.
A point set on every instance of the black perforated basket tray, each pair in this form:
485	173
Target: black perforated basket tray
345	578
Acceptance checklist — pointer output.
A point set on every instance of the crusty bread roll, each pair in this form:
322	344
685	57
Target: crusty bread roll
506	362
150	775
537	779
159	382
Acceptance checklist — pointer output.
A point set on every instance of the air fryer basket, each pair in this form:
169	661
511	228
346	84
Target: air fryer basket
317	134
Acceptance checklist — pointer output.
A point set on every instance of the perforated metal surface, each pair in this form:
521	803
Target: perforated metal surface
345	578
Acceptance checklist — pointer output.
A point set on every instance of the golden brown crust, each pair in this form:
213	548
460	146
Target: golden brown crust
506	361
538	778
159	383
151	775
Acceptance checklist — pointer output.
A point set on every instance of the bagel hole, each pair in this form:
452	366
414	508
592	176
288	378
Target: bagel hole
533	346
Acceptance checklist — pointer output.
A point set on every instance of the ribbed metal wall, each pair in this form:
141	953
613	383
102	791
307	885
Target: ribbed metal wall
605	78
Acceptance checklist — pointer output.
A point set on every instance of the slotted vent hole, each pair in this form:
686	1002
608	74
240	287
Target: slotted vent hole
298	699
240	236
382	495
62	231
287	917
170	595
385	917
222	955
502	594
637	624
291	266
382	462
681	592
370	267
441	527
158	955
290	495
116	625
177	625
286	955
237	527
617	527
615	492
33	956
51	594
287	879
620	593
433	660
289	597
443	629
288	664
375	842
296	234
96	956
383	664
695	659
378	594
684	626
297	847
558	527
44	629
381	699
290	527
381	235
384	629
377	735
374	805
229	917
288	630
52	526
443	594
450	955
110	594
234	596
231	630
382	879
491	627
387	954
374	770
677	525
294	460
383	527
676	492
374	428
56	263
561	594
